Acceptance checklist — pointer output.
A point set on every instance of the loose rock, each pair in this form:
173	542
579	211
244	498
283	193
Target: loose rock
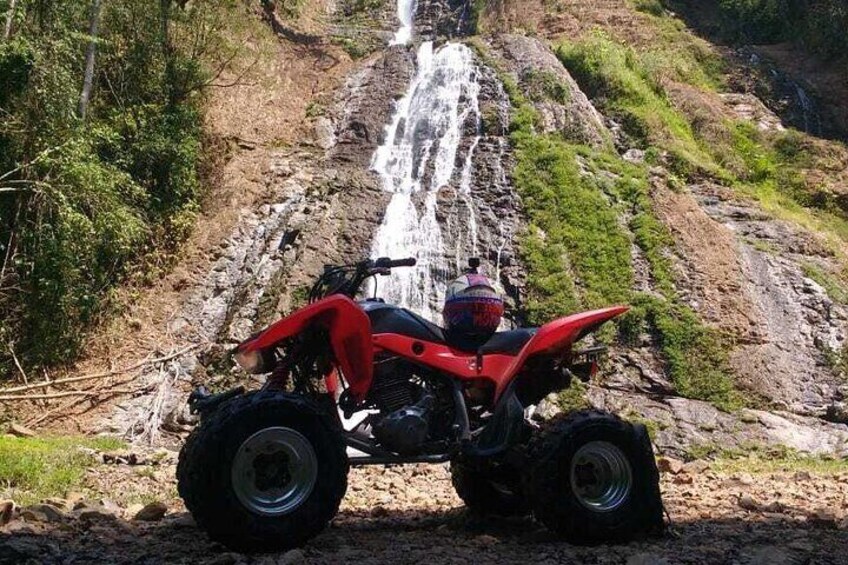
669	465
7	508
42	513
153	512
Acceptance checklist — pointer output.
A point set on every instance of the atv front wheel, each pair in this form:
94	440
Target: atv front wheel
596	480
497	493
265	472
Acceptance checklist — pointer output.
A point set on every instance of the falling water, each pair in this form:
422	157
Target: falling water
406	15
416	161
812	121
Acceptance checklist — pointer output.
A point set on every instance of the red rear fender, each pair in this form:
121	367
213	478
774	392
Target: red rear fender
560	334
350	337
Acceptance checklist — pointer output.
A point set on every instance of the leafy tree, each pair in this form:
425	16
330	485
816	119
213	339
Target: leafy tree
98	163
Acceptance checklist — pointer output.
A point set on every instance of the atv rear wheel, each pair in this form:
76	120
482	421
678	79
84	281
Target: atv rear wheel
265	472
497	493
596	480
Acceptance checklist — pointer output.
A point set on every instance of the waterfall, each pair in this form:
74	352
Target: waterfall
416	161
406	15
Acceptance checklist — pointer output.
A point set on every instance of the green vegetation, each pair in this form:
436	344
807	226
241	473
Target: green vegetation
670	112
355	48
32	469
573	398
100	191
290	8
835	288
837	359
757	458
619	79
578	253
653	7
544	85
819	24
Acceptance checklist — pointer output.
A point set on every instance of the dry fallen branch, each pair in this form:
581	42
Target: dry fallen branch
54	395
18	365
98	375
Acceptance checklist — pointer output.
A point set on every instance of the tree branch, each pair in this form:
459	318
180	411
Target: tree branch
103	375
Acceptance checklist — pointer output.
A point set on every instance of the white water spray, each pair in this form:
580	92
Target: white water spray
406	15
416	161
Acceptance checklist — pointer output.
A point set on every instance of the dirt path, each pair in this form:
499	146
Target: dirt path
411	515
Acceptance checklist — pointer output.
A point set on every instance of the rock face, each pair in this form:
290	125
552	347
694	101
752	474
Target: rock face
683	425
794	322
324	204
366	102
565	108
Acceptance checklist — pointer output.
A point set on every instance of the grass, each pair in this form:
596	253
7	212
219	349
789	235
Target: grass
578	253
756	458
32	469
627	88
834	287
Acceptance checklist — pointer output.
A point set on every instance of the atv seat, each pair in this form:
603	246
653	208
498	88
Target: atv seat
386	318
508	343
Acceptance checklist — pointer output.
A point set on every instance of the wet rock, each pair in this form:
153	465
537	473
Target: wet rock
152	512
534	66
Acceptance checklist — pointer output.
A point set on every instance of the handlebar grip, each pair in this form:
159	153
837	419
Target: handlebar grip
386	263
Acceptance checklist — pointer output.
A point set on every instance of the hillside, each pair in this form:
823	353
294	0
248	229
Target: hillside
598	152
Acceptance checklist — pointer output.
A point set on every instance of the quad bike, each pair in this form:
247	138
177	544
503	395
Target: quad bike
267	470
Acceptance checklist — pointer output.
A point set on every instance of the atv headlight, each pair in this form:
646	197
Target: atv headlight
250	361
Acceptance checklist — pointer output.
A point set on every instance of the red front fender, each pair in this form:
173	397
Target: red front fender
350	337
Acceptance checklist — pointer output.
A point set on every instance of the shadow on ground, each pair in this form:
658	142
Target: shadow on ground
399	537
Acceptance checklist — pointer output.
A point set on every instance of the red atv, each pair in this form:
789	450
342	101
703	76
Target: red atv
267	470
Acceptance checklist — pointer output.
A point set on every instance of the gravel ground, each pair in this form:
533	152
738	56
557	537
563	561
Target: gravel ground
411	515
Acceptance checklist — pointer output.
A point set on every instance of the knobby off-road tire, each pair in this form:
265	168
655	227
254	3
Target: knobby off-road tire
496	493
595	480
240	432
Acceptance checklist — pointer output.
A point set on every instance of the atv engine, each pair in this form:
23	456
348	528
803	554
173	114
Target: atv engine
406	407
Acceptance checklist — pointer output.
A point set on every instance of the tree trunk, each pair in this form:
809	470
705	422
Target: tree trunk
10	17
88	79
164	23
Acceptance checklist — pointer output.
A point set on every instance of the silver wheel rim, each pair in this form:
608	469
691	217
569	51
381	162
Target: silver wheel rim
274	471
601	476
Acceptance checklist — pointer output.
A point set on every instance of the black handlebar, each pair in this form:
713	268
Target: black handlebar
386	263
347	279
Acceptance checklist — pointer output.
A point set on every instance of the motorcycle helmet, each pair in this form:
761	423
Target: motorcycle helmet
473	308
